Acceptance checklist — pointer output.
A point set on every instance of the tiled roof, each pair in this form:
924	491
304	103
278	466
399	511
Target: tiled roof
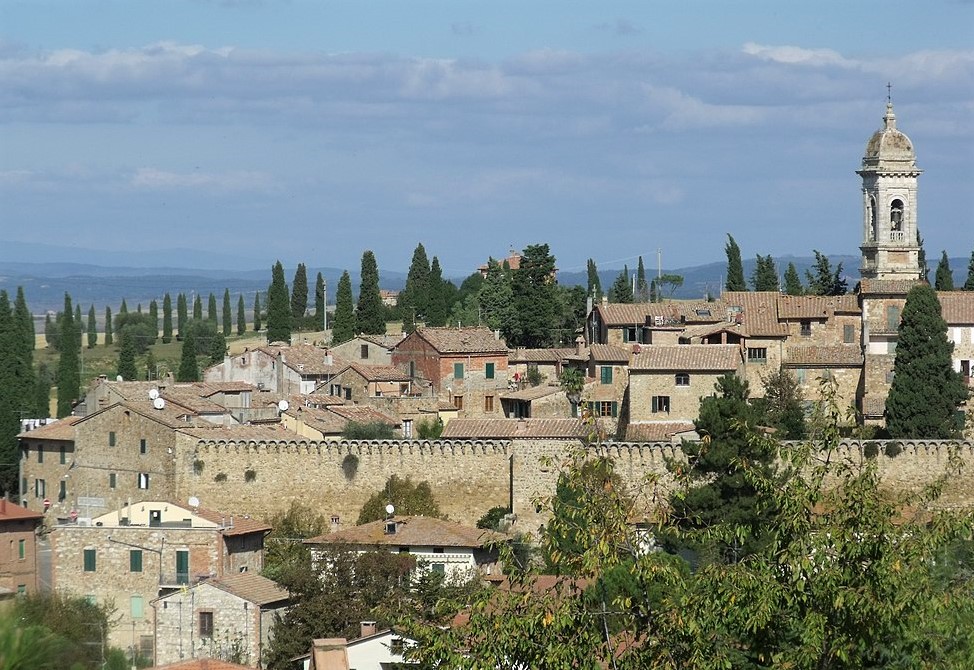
362	414
12	512
847	304
385	341
687	357
171	415
62	429
532	392
610	353
507	429
656	431
693	311
252	587
633	314
307	359
887	286
241	524
539	355
212	388
825	355
707	329
190	398
414	531
463	340
957	307
759	312
201	664
815	306
241	433
380	373
328	423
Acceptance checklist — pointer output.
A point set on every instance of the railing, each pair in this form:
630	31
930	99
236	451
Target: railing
897	235
175	579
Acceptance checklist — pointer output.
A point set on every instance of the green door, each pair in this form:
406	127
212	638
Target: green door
182	566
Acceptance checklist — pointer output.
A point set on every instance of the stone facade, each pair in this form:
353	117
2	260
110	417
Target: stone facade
18	549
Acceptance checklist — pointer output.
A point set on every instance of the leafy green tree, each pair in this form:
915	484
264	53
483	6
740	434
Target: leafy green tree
969	283
735	267
825	281
52	333
492	518
278	307
299	294
227	321
535	298
182	314
285	556
496	299
594	282
198	308
765	277
24	321
373	430
189	369
667	285
793	283
257	323
926	392
944	278
642	287
320	303
621	289
211	313
126	358
79	626
429	429
151	372
166	319
68	372
343	326
29	646
369	313
137	327
209	340
571	313
408	498
241	316
109	328
466	312
783	404
572	382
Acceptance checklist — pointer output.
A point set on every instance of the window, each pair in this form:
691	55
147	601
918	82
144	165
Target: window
64	455
604	408
891	347
757	355
488	403
889	377
849	333
146	646
806	328
21	549
40	454
348	393
489	370
137	607
458	401
606	374
439	568
111	438
458	370
896	215
363	351
403	550
703	312
682	379
143	448
407	428
206	624
629	334
89	560
143	480
800	375
111	480
40	488
661	403
892	317
135	560
62	491
412	368
182	566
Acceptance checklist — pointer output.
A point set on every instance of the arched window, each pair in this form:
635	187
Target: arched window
872	219
896	215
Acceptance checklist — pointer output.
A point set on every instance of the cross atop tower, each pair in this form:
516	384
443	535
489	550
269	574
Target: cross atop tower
889	91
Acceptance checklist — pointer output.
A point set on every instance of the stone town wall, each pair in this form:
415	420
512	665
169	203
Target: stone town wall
470	477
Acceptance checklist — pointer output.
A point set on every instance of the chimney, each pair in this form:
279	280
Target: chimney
369	628
579	343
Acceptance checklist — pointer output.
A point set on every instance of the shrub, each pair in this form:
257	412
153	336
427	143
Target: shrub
198	466
250	475
350	466
893	449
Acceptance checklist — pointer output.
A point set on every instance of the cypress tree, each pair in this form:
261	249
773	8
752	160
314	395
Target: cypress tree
765	277
343	325
126	360
278	307
926	391
257	323
182	314
944	279
109	339
241	316
536	298
154	320
42	392
166	319
369	317
123	309
68	374
198	308
735	267
92	328
79	325
642	288
11	385
150	366
52	332
24	321
320	303
189	370
413	300
439	301
299	295
793	283
969	284
227	322
211	309
594	283
824	281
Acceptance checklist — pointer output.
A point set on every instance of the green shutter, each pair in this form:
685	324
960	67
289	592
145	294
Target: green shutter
574	410
615	408
135	560
606	374
489	370
89	560
625	334
458	370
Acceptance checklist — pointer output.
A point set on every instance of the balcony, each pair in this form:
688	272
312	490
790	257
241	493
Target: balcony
897	236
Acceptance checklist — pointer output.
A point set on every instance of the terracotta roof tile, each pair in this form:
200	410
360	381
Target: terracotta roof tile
887	286
687	357
705	330
506	429
610	353
847	304
656	431
212	388
463	340
241	433
241	524
380	373
957	307
251	587
632	314
759	312
694	311
307	359
12	512
362	414
385	341
62	429
532	392
825	355
539	355
412	530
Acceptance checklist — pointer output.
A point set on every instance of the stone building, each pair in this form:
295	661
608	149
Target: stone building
227	616
141	551
281	369
367	349
18	550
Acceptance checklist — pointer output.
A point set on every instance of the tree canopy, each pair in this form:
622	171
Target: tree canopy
825	281
944	278
409	499
765	276
793	282
278	307
369	314
735	267
343	326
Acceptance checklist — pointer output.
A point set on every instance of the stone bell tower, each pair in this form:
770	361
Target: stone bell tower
890	247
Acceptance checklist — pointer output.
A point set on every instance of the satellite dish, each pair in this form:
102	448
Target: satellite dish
283	405
194	501
390	509
158	403
153	394
119	378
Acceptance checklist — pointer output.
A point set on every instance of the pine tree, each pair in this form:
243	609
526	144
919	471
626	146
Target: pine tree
735	267
126	360
594	282
109	333
642	288
824	281
14	380
166	319
182	314
765	277
439	296
68	374
621	289
793	283
413	302
536	298
227	321
343	325
926	392
320	303
496	299
944	279
257	323
92	328
211	309
969	284
124	308
278	307
189	370
299	295
369	318
241	317
197	309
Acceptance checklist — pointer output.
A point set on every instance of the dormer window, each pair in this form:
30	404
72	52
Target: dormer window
390	528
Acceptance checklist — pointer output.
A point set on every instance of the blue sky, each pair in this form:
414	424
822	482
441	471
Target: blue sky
310	131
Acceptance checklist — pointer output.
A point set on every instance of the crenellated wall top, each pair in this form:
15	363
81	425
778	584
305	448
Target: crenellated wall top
360	447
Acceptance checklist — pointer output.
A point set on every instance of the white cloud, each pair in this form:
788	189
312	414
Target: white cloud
792	55
152	178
